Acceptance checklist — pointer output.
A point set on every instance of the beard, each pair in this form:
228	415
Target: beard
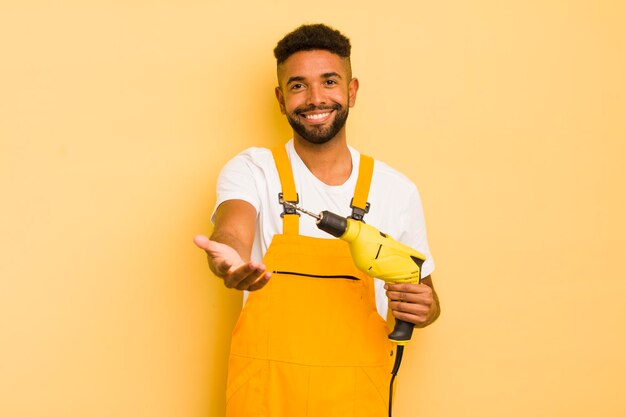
318	134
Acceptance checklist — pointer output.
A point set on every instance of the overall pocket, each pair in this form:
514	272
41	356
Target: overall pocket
245	388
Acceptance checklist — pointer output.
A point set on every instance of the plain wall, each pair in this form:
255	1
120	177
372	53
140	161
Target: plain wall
116	117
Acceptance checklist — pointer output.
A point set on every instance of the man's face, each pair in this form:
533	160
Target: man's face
315	92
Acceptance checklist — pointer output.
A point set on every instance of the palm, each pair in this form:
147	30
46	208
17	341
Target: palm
221	257
223	254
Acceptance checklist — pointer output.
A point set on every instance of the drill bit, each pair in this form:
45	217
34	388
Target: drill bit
315	216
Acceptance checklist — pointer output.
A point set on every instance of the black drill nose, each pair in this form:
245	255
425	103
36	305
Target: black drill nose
332	223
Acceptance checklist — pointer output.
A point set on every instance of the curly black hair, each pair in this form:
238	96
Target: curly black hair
311	37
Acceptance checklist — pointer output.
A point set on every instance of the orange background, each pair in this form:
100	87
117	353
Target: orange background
116	117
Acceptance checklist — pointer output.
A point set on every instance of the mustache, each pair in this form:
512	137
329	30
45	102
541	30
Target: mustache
313	108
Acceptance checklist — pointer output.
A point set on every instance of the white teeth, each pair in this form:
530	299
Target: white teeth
316	116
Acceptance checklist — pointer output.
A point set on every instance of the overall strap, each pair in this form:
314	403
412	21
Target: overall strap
359	203
291	218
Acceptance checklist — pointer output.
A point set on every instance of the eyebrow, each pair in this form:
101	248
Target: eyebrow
330	75
298	78
294	79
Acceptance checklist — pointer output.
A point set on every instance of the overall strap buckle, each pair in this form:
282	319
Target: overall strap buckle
287	209
358	212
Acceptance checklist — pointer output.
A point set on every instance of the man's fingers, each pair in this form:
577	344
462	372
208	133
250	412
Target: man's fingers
412	313
410	293
404	297
409	308
410	318
414	288
251	273
398	295
260	282
243	276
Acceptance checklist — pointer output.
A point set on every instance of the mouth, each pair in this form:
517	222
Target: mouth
317	117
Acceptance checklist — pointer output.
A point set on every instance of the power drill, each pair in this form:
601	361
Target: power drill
377	255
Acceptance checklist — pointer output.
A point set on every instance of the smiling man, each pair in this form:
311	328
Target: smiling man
311	339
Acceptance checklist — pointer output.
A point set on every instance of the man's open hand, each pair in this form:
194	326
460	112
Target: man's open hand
226	263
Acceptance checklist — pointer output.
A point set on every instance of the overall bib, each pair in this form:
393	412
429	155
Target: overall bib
310	343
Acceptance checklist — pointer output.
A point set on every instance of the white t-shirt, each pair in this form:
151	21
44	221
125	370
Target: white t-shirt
395	205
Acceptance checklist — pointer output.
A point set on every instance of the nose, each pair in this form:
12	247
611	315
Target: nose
315	95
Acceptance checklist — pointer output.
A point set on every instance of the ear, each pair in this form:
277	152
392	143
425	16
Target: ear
281	99
353	87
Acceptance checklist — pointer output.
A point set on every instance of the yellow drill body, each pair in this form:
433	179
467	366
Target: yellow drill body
380	256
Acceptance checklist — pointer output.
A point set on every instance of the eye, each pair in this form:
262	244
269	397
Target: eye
330	82
297	86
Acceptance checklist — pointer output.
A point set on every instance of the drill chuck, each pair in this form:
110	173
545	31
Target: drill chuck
332	223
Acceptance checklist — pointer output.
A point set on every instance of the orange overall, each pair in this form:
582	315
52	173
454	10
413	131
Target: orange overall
310	343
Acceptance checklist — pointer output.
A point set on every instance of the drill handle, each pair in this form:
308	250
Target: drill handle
402	332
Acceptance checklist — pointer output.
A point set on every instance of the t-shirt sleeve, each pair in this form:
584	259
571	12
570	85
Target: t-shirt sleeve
414	233
237	182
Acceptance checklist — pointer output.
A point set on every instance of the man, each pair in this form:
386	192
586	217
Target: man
311	339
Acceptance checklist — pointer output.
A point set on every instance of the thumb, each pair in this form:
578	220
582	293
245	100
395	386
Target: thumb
202	241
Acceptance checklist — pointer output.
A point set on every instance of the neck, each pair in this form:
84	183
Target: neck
330	162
